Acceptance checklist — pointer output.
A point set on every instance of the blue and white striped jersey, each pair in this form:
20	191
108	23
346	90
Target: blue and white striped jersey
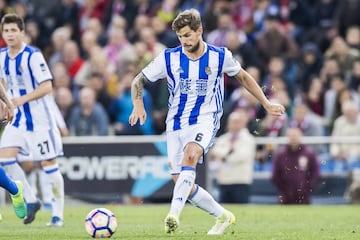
22	75
196	86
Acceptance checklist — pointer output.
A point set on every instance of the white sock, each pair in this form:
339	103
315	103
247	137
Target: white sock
31	177
57	184
182	189
203	200
45	186
17	173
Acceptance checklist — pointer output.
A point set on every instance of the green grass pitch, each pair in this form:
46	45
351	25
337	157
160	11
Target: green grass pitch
272	222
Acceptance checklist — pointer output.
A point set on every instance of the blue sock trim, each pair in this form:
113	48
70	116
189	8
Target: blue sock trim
8	163
187	168
51	170
195	192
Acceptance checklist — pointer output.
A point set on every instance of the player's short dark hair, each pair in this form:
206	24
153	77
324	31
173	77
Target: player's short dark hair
12	18
190	17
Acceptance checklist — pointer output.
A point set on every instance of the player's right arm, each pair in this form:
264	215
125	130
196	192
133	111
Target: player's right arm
137	92
152	72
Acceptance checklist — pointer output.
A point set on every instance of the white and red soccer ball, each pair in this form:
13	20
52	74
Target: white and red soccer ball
100	223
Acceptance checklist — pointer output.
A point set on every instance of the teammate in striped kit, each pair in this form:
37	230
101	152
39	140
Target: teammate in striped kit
15	188
194	73
33	130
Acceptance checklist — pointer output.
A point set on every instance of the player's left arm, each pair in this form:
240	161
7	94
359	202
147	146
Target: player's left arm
251	85
43	77
43	89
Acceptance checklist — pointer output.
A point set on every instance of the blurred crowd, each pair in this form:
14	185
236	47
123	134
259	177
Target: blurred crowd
304	53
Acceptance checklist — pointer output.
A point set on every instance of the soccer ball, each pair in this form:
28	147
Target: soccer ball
100	223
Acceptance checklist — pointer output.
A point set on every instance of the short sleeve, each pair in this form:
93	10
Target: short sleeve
231	66
39	67
156	69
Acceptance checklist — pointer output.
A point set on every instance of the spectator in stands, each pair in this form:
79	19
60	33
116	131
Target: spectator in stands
352	37
324	12
241	98
347	14
342	96
168	10
91	9
95	25
295	170
337	83
310	125
241	49
343	54
5	8
89	40
148	36
273	42
33	30
141	21
346	125
88	117
67	15
217	37
313	97
118	49
164	35
310	64
72	59
269	126
277	72
235	152
124	8
97	83
58	39
121	108
200	5
97	62
354	80
65	102
61	76
329	69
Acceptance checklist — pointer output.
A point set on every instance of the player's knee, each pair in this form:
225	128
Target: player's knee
192	155
190	159
48	162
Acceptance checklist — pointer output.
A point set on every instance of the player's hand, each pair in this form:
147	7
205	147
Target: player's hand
138	113
275	109
9	114
19	101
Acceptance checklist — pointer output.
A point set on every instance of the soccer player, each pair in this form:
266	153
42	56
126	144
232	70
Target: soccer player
15	188
31	168
33	130
194	73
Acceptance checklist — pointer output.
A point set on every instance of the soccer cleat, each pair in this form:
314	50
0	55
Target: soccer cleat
223	222
55	222
171	223
32	209
18	201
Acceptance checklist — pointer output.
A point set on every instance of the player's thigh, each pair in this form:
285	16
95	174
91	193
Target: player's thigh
201	134
175	151
12	142
45	145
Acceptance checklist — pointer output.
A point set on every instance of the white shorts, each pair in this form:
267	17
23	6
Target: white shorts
202	134
37	146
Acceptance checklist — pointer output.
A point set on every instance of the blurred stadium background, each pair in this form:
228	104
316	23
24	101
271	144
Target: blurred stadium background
304	53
